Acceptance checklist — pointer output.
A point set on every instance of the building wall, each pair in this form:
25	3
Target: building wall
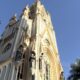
34	54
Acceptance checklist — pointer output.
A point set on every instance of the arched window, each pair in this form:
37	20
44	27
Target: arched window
20	72
32	60
47	41
8	46
8	38
21	48
40	61
18	56
47	71
33	77
19	53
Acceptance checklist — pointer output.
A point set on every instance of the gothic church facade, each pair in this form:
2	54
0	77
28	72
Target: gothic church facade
28	48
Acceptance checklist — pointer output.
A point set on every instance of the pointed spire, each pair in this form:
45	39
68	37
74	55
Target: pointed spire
26	8
25	11
37	0
12	20
13	17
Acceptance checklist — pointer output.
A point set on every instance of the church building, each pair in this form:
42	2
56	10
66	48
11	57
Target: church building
28	48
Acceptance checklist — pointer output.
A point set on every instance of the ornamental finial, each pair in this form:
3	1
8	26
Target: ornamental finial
37	0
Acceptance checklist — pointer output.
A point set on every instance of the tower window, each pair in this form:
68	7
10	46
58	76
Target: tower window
47	72
47	41
40	63
18	56
32	60
19	53
33	77
8	46
20	72
21	48
8	38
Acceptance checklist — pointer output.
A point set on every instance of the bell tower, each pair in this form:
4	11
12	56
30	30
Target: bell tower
28	48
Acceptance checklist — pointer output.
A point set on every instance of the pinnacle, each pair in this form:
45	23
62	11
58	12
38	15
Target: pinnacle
27	7
13	17
37	0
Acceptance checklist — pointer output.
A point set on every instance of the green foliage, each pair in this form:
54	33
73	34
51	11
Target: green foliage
75	71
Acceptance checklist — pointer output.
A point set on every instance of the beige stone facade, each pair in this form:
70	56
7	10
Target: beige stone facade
28	49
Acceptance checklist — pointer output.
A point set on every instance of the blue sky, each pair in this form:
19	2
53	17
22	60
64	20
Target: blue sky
66	20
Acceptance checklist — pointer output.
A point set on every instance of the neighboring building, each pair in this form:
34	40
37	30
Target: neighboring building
28	49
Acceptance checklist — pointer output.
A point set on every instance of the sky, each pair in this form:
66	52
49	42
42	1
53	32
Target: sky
65	16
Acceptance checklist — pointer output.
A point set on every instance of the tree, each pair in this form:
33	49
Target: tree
75	71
